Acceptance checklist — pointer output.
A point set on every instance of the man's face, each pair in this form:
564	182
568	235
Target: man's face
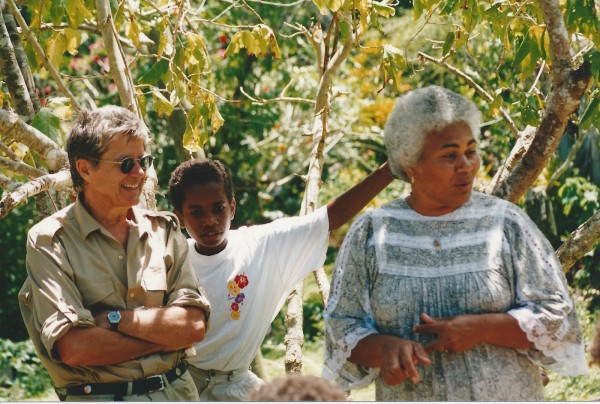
206	213
106	185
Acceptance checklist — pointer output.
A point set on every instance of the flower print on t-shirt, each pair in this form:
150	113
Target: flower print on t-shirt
234	289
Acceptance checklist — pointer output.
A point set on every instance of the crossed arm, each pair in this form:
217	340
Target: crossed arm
141	332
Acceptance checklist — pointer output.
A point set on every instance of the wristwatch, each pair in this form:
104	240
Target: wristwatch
114	318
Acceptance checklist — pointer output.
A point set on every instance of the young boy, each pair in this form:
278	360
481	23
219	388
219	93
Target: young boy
248	273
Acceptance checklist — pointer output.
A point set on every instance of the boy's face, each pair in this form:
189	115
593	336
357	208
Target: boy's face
206	213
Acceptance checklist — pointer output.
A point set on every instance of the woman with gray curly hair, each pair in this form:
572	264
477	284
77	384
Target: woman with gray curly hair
456	290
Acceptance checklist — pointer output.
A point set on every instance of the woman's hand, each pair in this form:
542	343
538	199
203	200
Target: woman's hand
461	333
400	359
455	334
396	358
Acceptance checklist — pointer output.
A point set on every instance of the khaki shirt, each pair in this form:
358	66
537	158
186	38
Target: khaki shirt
76	268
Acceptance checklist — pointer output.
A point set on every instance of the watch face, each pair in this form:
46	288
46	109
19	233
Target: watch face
114	316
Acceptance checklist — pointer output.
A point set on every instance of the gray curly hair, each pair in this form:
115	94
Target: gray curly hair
93	130
419	113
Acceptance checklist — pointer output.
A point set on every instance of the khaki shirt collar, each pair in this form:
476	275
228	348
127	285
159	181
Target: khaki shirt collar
87	224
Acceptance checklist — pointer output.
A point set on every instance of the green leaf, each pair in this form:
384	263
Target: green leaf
77	13
47	122
132	31
418	9
324	5
593	58
154	74
162	106
591	114
196	133
57	11
256	42
384	10
165	45
216	120
529	51
197	47
393	63
345	30
448	42
73	39
56	47
496	104
449	7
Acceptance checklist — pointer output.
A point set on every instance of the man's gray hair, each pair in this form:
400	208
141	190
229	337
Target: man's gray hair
419	113
93	130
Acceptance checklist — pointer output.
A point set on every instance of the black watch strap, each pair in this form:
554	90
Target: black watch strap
114	318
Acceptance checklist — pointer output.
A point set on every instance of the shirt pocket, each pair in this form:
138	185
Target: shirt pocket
154	282
98	292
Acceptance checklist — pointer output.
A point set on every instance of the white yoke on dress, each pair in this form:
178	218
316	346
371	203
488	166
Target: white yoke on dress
247	284
485	257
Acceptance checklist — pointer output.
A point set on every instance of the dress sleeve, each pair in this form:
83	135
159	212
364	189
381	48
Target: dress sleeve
348	315
53	297
543	307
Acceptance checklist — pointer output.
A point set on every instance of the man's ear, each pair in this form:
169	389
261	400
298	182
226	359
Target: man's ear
84	167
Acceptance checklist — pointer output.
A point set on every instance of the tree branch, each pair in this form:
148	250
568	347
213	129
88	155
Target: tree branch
8	184
11	125
38	49
516	154
119	70
263	101
569	86
19	93
17	166
60	181
580	242
505	115
22	60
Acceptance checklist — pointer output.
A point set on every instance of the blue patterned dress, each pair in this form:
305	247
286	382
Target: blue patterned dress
485	257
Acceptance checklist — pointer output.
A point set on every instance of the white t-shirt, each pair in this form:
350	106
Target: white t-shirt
248	282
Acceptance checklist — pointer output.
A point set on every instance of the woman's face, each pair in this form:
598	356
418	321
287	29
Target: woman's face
443	176
206	214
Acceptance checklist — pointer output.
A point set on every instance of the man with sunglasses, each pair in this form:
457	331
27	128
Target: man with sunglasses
111	302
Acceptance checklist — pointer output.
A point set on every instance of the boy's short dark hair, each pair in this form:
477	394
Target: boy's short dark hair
198	172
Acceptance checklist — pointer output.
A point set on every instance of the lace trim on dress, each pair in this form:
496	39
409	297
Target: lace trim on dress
552	350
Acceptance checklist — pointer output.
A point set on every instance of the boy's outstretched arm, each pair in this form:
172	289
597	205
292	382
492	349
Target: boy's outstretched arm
347	205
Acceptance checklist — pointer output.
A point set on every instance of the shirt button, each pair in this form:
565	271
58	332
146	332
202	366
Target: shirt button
131	294
121	257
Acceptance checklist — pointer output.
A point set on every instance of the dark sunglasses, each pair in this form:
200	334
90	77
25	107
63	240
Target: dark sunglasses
128	163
